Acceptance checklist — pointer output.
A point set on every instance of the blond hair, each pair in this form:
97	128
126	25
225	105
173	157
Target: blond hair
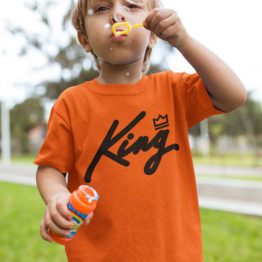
78	16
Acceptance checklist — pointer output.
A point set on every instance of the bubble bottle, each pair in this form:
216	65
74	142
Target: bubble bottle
81	203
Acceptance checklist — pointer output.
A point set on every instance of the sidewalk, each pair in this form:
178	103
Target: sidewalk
240	196
18	173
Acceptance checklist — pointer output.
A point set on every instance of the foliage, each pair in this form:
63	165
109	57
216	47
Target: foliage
246	120
24	117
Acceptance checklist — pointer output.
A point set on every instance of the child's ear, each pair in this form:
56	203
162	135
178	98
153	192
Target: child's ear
83	40
152	40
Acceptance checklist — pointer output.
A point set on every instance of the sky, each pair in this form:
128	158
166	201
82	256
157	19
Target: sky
230	28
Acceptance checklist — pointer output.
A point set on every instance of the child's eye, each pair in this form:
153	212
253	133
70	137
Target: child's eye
101	9
132	6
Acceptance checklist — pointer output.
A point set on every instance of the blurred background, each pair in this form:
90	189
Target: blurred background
40	57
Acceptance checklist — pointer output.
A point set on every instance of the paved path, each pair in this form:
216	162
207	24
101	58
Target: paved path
240	196
18	173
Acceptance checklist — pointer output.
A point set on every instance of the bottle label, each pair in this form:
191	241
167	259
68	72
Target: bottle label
77	219
78	214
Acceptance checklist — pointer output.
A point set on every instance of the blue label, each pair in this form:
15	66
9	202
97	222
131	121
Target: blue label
71	208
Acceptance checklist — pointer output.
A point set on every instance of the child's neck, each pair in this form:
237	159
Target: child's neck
120	74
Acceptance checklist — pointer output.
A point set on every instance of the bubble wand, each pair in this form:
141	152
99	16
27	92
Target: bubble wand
128	27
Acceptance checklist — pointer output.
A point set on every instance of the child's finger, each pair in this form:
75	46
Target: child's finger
59	220
59	215
44	232
158	19
61	206
63	210
165	23
169	33
148	19
56	228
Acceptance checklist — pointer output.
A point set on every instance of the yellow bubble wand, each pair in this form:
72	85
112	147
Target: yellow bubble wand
126	25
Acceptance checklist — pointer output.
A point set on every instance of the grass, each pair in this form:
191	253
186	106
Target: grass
226	237
21	213
245	177
247	160
231	238
26	159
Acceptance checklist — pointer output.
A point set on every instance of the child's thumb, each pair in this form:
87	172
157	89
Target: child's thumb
145	24
88	218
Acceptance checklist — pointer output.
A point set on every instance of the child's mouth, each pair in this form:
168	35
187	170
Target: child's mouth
119	37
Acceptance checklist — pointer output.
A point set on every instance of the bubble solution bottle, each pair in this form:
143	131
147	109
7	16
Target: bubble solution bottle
81	203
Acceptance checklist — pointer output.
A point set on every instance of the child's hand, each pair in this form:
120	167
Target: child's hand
166	24
57	217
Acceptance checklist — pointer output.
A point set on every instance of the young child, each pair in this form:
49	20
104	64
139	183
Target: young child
125	134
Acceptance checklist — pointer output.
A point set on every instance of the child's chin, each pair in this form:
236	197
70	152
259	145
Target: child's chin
121	61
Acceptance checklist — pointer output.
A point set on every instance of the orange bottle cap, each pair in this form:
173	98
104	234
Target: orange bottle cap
84	199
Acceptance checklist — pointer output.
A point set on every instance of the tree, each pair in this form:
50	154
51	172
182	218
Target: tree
23	118
244	121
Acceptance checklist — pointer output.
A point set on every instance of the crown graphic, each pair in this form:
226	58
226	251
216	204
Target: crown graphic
160	122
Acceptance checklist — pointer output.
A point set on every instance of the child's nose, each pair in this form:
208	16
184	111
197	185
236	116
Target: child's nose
119	15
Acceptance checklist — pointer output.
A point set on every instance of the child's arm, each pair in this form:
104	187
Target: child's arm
53	189
225	89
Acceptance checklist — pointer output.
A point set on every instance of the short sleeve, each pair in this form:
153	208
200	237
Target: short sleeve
57	148
198	104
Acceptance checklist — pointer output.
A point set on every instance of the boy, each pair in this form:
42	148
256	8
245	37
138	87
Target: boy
125	134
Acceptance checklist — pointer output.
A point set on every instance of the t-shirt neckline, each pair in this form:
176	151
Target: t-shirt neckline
119	89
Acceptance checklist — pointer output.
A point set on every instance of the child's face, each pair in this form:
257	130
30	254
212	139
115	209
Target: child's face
102	14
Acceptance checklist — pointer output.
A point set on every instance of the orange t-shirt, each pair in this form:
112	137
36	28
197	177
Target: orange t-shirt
130	142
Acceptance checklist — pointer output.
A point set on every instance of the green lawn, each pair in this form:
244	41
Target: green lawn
245	177
231	238
23	158
21	213
247	160
226	237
